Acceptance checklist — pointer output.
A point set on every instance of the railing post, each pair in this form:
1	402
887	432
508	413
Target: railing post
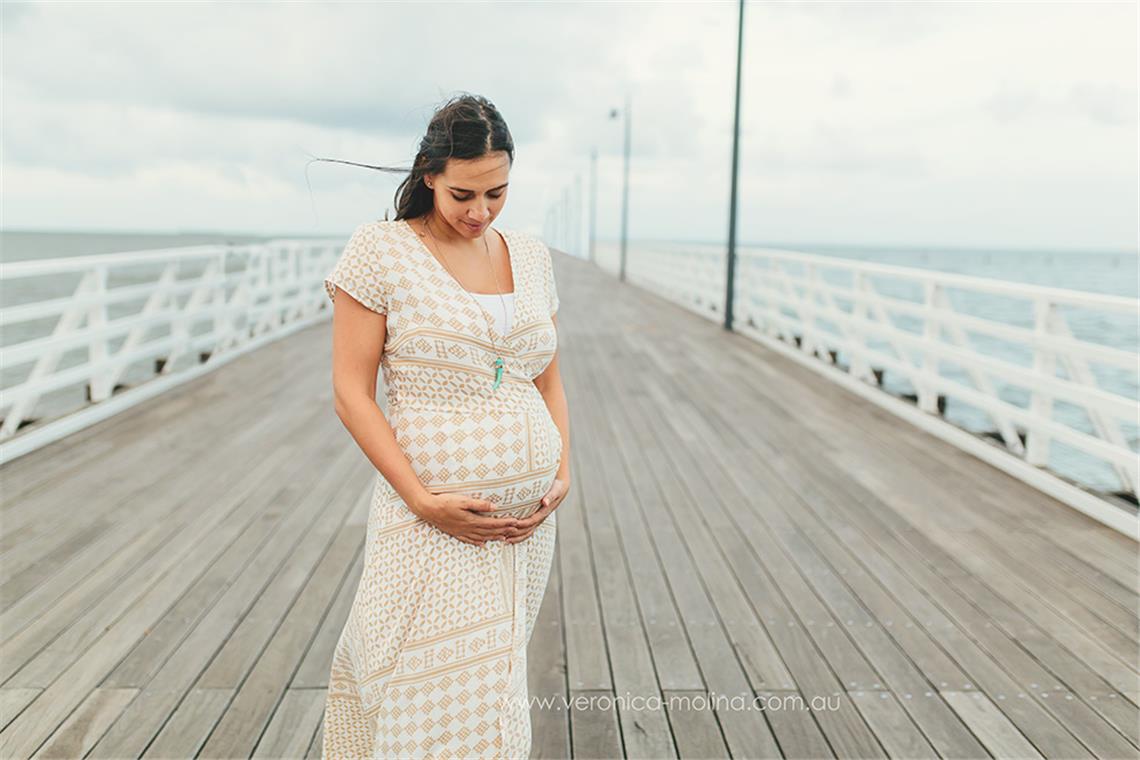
1041	402
927	393
859	368
223	322
98	383
807	329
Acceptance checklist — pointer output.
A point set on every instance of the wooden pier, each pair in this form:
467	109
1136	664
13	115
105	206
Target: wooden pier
739	530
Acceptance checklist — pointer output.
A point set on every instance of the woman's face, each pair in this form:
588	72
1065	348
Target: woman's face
470	194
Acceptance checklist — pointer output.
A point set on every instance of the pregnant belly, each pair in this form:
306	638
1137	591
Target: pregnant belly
509	458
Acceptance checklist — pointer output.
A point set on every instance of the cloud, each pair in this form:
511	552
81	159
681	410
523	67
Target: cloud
1107	103
205	115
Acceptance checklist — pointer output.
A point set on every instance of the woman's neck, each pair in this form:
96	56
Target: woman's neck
446	234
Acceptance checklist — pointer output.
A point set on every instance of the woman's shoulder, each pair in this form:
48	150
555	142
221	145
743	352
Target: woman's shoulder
367	266
378	238
375	227
531	243
375	245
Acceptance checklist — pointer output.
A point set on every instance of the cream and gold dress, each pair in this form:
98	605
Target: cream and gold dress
432	658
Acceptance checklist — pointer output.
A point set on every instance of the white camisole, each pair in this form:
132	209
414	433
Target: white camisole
491	302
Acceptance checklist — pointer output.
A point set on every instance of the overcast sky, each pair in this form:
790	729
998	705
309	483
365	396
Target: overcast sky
1004	124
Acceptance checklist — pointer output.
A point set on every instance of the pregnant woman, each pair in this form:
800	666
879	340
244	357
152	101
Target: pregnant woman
472	458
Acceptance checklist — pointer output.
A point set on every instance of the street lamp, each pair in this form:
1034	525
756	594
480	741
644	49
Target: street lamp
625	189
729	285
593	201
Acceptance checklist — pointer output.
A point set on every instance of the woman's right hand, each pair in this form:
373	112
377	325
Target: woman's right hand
461	516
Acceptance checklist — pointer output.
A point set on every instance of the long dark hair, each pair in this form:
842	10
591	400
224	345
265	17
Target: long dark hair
465	127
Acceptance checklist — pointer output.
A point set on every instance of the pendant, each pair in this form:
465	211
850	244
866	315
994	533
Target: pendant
498	372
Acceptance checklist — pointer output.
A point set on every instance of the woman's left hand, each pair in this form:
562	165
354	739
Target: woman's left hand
525	527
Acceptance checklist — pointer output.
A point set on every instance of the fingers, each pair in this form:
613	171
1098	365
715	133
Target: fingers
479	527
481	534
521	537
536	518
492	525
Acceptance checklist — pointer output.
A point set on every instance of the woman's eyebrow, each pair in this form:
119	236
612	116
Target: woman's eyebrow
465	190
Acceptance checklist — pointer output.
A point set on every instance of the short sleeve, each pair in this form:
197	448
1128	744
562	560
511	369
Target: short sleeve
360	270
551	286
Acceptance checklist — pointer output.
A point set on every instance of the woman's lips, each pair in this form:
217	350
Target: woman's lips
474	227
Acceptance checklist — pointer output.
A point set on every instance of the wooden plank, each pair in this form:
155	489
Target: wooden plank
790	717
902	495
76	735
293	724
316	667
631	663
13	701
296	601
72	542
43	649
587	663
691	423
731	639
546	670
758	659
694	725
632	511
741	466
316	746
131	734
890	722
120	445
594	730
895	669
992	728
188	727
76	670
850	734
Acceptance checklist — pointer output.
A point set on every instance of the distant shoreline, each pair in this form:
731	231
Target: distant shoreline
794	245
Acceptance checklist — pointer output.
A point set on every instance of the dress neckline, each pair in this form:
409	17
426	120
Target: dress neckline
459	286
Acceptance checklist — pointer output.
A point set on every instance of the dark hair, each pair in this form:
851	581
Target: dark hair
465	127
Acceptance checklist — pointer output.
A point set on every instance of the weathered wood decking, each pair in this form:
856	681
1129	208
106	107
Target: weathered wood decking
175	578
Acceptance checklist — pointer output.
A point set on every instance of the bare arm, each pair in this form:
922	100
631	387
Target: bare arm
550	386
358	342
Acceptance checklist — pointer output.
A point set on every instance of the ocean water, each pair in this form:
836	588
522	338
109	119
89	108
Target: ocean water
1109	272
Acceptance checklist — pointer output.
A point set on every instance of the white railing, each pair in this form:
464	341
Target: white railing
93	335
1032	364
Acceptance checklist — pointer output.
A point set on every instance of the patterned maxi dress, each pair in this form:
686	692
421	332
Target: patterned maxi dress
432	658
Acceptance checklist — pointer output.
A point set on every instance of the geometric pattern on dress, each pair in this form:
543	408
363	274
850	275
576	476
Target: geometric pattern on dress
432	658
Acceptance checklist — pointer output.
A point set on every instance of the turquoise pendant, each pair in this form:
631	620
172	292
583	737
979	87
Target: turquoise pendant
498	372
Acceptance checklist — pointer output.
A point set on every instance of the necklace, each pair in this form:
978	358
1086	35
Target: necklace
499	364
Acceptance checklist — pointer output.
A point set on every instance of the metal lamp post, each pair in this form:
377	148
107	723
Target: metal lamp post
728	300
625	187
